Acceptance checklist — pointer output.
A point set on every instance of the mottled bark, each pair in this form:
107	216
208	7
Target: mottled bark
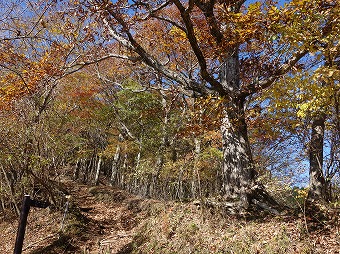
77	169
238	170
196	179
317	181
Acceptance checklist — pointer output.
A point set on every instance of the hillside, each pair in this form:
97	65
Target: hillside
217	123
106	220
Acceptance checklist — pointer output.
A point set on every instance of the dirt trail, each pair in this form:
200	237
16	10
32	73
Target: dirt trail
105	220
110	218
100	219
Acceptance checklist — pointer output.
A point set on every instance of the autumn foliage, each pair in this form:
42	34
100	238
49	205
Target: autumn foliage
170	99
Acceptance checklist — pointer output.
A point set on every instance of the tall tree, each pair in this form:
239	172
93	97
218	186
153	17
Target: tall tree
223	36
310	102
308	112
319	174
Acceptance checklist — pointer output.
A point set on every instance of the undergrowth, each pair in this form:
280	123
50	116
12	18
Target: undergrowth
186	228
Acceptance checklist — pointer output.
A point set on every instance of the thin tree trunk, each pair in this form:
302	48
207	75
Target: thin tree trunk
96	179
196	171
77	169
115	165
85	170
180	184
317	181
93	168
11	194
3	206
123	172
137	160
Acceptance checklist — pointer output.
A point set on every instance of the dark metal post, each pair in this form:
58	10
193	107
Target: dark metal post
26	204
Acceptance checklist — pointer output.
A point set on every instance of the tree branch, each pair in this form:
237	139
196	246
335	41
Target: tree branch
132	44
257	86
153	11
207	7
185	14
18	74
80	65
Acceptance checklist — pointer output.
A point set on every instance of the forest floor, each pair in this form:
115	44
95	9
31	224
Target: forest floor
106	220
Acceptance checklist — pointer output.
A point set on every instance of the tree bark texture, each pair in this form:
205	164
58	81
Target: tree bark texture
317	181
238	169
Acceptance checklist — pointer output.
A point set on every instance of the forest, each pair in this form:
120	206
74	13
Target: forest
231	104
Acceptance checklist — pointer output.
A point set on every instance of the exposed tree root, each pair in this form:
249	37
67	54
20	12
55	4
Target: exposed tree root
259	200
263	200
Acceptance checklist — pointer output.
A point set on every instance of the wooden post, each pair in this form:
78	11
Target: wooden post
26	205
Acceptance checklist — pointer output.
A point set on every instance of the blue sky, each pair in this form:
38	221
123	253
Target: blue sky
280	2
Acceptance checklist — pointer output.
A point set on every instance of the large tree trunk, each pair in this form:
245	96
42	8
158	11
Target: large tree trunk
238	169
317	181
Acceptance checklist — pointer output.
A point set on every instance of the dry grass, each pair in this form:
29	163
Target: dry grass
104	220
185	228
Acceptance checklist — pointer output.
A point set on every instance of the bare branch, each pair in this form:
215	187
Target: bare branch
171	22
153	11
80	65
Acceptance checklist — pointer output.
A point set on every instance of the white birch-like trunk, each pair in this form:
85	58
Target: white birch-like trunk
96	179
115	166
